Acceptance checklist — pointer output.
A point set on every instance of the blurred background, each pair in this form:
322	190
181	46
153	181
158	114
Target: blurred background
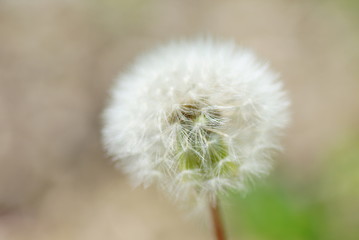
58	59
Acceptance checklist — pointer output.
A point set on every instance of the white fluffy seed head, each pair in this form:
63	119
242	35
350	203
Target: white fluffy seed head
196	117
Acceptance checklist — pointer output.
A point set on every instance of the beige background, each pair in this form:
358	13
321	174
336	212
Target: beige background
57	62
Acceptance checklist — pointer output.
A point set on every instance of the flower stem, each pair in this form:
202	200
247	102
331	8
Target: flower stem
217	221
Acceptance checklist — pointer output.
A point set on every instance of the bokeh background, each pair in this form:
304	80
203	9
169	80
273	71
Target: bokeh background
58	59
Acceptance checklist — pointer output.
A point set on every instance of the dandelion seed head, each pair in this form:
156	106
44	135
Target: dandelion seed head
197	118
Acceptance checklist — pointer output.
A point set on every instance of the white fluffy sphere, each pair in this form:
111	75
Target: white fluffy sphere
196	117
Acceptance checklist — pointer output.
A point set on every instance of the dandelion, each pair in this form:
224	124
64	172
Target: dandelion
198	118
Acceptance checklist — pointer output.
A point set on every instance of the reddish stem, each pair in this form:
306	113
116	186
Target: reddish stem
217	222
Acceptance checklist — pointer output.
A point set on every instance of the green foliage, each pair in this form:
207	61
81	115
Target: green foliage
322	208
341	173
339	187
275	212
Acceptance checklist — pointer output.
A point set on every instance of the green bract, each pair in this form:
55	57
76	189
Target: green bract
201	148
